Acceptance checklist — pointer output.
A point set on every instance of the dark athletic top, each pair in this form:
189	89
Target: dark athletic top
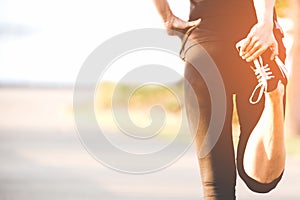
214	8
227	20
223	19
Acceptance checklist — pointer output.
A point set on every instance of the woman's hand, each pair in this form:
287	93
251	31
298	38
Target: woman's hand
259	39
174	25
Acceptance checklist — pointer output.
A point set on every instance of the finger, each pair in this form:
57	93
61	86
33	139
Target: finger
194	23
170	32
254	42
239	44
257	53
251	51
244	45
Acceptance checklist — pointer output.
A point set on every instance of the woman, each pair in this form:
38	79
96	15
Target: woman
219	27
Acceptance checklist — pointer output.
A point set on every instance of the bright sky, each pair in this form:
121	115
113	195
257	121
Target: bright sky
47	41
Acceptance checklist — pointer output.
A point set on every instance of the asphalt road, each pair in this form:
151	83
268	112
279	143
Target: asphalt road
42	157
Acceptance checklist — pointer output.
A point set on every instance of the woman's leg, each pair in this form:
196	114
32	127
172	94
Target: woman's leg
264	158
218	171
261	151
260	155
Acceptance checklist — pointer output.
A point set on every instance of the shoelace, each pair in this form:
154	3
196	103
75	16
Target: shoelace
263	74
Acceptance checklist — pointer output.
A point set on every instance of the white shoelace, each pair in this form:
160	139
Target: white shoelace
263	74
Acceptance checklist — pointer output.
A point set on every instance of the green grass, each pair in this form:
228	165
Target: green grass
141	96
169	97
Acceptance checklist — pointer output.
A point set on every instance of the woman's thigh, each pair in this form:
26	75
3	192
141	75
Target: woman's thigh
217	168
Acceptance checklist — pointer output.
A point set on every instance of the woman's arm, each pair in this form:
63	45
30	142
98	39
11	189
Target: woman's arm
261	36
163	9
172	22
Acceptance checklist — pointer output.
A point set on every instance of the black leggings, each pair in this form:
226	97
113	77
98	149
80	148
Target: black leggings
218	168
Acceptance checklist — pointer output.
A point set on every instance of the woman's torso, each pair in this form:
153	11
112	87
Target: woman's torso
214	8
228	20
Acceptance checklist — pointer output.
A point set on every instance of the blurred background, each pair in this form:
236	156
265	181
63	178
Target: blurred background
43	45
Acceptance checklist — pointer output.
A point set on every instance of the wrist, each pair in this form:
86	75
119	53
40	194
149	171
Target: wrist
265	18
168	17
266	21
264	11
267	24
168	20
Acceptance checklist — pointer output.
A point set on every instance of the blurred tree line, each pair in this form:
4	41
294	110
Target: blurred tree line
282	7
